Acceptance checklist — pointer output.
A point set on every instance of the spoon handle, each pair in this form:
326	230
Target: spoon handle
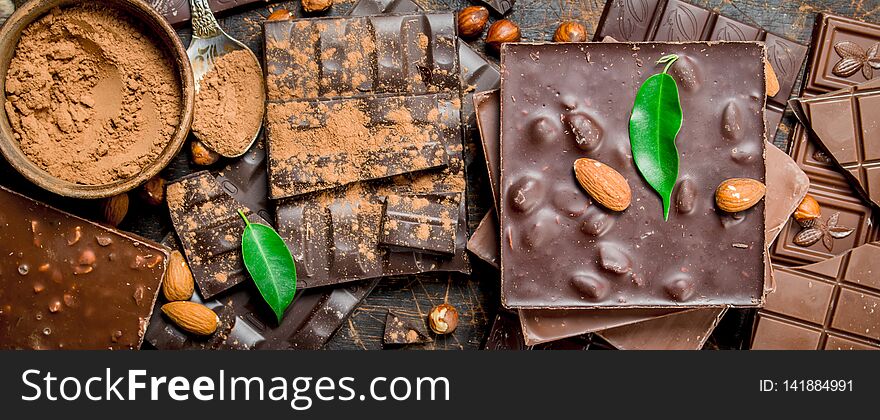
203	22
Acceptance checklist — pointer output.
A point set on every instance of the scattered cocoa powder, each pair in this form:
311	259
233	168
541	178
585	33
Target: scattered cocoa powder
91	96
229	106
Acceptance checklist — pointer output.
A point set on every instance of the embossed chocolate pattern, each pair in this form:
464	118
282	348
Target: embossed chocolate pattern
575	255
844	53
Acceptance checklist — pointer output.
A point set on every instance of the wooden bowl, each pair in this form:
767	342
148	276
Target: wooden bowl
140	11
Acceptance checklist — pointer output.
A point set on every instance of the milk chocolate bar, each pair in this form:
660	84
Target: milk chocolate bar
846	125
844	54
68	283
560	252
675	20
359	98
178	11
207	222
247	323
833	304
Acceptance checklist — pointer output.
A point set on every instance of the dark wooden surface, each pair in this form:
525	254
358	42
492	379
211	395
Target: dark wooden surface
475	296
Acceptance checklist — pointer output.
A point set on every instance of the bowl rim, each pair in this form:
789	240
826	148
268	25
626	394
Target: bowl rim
165	35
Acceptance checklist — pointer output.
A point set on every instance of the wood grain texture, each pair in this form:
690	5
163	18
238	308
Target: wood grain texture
475	296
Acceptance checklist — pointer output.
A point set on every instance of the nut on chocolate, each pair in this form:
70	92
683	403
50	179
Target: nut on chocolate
315	6
443	318
738	194
472	21
192	317
178	283
808	210
570	32
502	31
607	186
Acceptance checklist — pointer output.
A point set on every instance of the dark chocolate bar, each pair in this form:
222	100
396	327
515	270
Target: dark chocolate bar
506	334
560	252
246	181
833	304
424	222
178	11
209	227
484	241
846	124
686	331
499	6
675	20
247	322
842	54
68	283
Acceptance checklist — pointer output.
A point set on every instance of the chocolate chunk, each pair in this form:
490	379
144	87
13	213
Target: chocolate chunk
688	330
207	221
674	20
424	222
833	304
178	11
68	283
246	181
499	6
399	332
634	254
845	123
839	42
484	241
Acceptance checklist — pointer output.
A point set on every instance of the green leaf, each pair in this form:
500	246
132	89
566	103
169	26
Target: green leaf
654	124
270	264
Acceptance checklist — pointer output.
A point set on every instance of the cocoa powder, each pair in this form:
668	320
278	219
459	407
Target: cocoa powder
229	106
91	96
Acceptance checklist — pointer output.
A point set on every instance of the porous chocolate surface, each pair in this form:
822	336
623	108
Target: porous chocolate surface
566	101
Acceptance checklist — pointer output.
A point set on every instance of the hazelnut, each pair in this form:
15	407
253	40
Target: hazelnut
202	155
280	14
472	21
502	31
114	209
570	32
314	6
153	191
443	319
807	211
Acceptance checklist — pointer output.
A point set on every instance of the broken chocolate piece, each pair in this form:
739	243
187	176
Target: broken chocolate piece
399	332
421	222
68	283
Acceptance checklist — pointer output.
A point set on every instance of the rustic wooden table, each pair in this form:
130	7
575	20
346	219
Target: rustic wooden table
475	296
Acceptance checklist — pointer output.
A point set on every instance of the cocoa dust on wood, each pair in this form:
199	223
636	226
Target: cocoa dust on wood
229	106
91	97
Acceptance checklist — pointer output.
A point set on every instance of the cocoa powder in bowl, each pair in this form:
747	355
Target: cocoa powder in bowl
92	97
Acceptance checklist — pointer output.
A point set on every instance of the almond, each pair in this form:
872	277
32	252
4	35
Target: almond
178	283
192	317
114	209
772	80
280	14
808	210
607	186
153	191
738	194
202	155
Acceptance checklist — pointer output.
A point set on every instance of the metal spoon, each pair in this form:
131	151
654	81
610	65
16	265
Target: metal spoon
209	43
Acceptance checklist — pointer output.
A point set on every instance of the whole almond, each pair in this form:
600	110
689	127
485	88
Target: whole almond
192	317
178	283
738	194
114	209
772	80
502	31
153	191
607	186
202	155
570	32
280	14
808	210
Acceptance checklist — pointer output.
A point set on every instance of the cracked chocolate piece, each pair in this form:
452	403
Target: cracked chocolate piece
207	221
399	332
420	222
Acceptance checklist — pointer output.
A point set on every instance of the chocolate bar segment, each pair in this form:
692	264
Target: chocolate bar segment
247	322
420	222
67	283
678	21
833	304
685	331
484	241
246	180
499	6
488	108
505	334
178	11
836	198
561	251
207	221
846	124
840	55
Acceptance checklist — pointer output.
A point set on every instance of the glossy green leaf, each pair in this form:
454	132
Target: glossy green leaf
654	124
270	264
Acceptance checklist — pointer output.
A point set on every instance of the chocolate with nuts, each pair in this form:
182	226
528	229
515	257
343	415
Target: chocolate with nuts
559	248
68	283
